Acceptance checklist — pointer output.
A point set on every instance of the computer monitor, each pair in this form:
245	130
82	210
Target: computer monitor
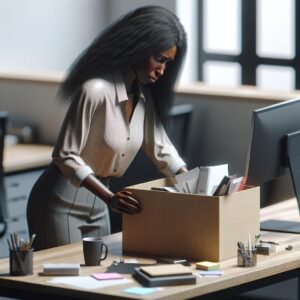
274	149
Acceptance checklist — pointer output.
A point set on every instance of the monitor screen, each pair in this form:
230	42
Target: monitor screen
266	157
272	128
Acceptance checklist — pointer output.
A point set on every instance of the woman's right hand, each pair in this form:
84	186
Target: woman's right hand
123	202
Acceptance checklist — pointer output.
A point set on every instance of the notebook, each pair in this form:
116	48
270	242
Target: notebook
166	270
166	280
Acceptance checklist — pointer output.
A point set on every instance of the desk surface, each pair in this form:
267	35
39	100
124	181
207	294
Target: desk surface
26	156
267	267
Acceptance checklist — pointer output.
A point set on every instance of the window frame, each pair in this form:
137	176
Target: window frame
248	58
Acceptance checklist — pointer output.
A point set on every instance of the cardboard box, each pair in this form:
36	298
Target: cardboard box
190	226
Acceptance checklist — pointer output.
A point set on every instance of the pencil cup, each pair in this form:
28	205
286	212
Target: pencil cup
94	250
246	258
21	262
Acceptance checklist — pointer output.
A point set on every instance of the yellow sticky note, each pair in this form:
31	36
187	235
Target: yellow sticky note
207	265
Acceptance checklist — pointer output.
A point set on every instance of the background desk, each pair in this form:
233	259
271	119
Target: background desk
23	157
269	270
23	164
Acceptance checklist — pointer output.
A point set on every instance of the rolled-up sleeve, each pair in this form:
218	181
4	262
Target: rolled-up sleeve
73	137
157	144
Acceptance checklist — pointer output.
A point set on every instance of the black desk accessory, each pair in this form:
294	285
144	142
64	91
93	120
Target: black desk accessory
124	268
149	281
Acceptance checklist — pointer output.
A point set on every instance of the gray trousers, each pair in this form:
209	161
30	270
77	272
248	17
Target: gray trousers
59	213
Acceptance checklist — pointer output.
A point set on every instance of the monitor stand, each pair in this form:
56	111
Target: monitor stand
292	143
281	226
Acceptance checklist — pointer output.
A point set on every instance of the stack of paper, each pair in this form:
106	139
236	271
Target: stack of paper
187	182
207	180
210	177
203	180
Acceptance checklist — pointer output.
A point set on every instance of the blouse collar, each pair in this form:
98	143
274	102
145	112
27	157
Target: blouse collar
121	89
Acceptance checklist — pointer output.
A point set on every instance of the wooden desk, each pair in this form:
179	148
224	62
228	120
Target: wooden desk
26	156
270	269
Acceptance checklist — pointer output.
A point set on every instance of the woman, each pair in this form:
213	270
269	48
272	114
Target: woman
119	90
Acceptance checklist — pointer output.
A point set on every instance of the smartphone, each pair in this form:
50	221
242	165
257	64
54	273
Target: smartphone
172	260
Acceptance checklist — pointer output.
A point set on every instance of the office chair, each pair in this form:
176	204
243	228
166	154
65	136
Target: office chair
177	129
3	122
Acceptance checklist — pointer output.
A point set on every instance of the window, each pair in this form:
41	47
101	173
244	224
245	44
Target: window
251	42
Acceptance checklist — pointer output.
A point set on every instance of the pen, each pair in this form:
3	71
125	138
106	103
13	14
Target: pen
31	240
16	239
269	242
240	245
13	246
9	246
249	246
257	236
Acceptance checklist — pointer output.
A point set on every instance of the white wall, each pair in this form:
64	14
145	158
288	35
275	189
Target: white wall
44	35
47	35
117	8
187	13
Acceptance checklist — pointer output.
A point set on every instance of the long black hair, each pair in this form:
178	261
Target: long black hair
129	41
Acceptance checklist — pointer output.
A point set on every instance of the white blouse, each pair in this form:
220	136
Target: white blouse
96	136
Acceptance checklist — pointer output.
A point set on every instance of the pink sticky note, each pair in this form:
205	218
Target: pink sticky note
107	276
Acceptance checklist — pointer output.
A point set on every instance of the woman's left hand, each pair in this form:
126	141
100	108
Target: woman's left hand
123	202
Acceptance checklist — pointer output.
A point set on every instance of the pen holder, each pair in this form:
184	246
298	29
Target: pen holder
246	257
21	262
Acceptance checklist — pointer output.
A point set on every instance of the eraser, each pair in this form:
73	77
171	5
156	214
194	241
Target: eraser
265	249
61	269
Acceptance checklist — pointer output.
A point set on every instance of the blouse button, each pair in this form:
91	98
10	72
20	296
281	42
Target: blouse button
115	170
128	138
123	155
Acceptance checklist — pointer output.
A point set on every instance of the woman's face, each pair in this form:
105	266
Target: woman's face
155	66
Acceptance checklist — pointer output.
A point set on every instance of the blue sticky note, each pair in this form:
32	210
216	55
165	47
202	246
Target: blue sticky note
211	273
140	290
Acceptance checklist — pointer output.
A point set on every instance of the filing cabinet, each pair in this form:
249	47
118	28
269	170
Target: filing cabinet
17	189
